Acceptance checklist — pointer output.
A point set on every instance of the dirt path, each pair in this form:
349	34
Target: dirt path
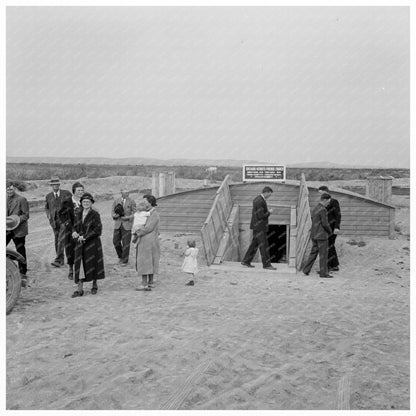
233	341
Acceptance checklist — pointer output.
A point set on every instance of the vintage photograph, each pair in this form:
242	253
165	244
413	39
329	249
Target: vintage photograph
207	207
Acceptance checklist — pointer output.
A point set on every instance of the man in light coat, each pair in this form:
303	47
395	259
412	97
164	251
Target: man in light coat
122	212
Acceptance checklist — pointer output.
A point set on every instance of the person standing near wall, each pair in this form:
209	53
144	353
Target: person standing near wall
122	212
319	235
334	219
54	201
259	224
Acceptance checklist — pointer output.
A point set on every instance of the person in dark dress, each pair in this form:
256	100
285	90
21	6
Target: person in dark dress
334	219
67	214
88	249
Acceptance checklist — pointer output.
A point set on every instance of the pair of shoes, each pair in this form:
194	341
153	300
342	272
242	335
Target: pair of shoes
94	291
123	263
77	293
269	267
56	264
306	274
334	269
327	276
246	264
23	280
143	289
190	283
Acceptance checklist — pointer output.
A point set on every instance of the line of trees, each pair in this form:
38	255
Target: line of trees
42	171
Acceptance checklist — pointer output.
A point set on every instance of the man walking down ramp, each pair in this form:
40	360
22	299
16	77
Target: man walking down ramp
259	224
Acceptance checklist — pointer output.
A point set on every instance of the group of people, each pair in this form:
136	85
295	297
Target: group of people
326	221
77	229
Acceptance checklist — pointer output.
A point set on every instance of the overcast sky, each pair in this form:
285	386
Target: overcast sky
276	84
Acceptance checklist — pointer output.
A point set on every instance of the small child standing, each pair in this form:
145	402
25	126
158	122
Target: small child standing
190	264
140	218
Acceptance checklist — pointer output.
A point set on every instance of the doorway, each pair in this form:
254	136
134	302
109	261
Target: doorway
277	238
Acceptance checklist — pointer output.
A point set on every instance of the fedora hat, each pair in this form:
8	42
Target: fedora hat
54	181
12	222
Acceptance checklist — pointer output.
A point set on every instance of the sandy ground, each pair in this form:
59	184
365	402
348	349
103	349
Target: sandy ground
236	340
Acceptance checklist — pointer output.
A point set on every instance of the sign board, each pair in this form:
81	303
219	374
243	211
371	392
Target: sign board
261	173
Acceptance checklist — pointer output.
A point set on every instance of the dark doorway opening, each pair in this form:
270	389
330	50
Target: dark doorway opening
277	238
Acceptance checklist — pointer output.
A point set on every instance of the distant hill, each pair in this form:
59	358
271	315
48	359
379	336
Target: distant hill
175	162
130	161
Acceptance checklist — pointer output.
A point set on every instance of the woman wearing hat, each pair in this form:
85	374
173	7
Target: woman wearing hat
88	250
148	249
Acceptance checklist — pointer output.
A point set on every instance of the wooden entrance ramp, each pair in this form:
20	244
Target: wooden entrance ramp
221	229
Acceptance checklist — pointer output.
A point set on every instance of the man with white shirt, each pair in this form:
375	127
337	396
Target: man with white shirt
54	201
122	212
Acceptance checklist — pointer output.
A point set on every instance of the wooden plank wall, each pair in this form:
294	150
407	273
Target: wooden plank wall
185	212
303	222
216	223
360	218
229	249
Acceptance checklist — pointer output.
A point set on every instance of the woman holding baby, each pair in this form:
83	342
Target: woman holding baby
147	242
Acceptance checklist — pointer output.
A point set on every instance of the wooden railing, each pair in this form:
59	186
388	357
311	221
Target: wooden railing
214	226
303	221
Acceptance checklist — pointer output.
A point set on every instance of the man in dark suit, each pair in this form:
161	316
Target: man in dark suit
18	205
122	212
334	219
54	202
259	224
319	235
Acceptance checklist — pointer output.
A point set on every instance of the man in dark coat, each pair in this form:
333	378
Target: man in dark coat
54	201
334	219
122	212
18	205
319	235
259	224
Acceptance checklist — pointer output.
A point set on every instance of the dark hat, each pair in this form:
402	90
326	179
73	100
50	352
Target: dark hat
54	181
12	222
87	195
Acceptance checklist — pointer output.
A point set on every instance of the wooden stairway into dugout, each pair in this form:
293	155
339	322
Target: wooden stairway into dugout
225	233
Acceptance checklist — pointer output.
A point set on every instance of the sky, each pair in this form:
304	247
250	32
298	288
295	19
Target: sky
275	84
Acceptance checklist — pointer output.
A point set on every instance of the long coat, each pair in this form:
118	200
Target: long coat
18	205
90	253
148	248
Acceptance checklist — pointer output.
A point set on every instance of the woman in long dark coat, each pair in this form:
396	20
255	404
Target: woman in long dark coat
88	250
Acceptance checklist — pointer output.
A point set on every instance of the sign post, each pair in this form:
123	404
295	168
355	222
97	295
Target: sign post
261	173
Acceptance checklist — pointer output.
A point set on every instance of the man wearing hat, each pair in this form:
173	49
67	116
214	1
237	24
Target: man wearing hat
54	202
122	212
17	209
